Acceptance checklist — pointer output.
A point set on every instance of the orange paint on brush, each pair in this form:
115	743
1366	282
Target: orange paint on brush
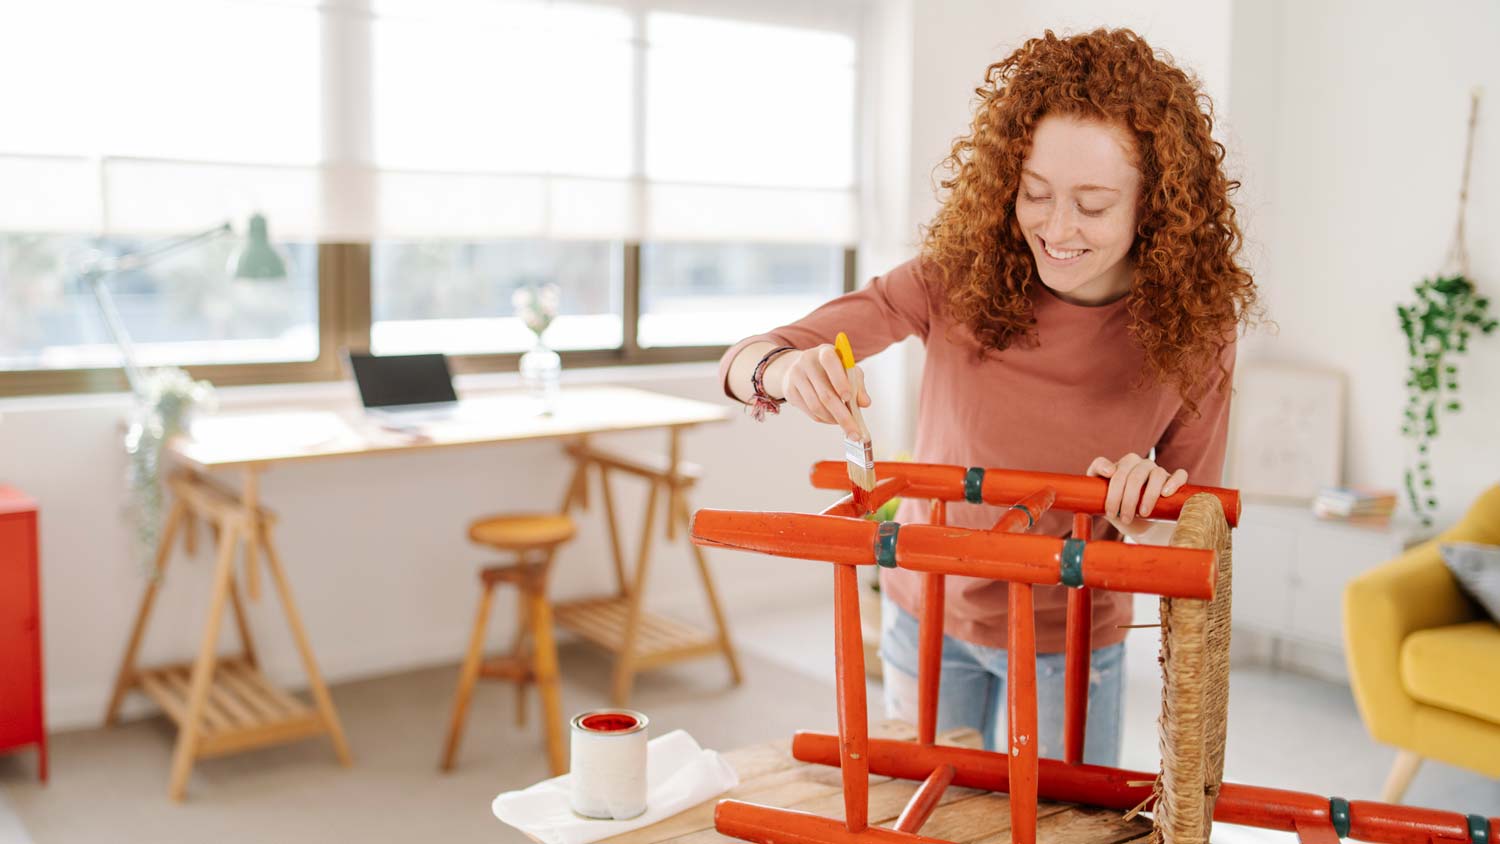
857	451
883	492
861	501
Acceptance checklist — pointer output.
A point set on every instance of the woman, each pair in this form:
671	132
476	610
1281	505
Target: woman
1078	294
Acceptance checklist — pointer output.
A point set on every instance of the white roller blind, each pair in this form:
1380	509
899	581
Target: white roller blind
472	119
157	116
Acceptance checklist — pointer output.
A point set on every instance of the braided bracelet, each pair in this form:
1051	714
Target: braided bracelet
763	402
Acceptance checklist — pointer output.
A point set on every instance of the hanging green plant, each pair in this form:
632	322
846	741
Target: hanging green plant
166	405
1437	326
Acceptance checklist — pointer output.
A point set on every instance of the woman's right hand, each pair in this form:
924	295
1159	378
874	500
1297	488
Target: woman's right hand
816	383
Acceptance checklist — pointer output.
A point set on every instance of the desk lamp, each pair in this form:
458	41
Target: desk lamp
255	259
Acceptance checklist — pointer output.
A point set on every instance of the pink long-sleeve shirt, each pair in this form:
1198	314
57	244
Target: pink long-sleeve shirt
1050	407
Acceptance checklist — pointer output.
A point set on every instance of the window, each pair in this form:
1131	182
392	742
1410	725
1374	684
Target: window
743	148
685	172
502	87
183	310
113	79
126	144
456	297
695	294
737	181
739	103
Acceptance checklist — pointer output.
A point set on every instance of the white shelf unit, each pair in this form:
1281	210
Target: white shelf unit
1290	569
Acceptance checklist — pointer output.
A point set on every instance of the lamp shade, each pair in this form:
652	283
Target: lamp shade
256	258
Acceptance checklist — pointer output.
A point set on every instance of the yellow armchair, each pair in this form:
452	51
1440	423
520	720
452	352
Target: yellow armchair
1424	660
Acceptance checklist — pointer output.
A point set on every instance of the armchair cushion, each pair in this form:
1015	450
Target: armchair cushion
1455	668
1476	567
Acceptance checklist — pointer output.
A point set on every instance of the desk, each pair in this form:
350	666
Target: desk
226	705
770	776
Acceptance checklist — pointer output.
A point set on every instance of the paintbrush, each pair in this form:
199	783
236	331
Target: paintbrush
858	452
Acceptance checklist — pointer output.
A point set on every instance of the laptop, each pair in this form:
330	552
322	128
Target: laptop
405	389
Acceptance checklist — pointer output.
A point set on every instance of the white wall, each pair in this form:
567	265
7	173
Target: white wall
1350	153
955	40
928	57
1356	153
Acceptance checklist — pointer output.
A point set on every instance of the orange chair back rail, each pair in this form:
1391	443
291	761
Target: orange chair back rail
1192	574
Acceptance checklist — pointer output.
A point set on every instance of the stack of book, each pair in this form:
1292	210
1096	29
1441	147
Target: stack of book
1357	505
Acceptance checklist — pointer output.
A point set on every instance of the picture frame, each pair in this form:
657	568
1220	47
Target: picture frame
1287	431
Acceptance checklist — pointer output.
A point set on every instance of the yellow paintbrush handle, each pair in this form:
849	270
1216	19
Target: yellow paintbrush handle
846	353
856	382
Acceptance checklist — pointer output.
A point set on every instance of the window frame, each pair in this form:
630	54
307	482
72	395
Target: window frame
344	321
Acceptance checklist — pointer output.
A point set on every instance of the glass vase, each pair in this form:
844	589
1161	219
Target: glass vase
541	373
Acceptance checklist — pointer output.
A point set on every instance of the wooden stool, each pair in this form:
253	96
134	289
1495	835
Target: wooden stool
534	540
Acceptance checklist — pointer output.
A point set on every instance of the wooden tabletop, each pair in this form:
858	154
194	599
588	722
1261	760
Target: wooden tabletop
770	776
266	437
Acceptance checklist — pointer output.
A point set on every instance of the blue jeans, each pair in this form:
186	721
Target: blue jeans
971	692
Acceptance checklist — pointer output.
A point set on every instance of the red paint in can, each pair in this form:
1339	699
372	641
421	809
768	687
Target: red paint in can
609	722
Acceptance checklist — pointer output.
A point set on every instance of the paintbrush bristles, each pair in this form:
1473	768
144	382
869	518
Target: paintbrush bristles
859	454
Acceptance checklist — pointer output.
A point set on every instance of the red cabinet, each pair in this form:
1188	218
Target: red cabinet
21	717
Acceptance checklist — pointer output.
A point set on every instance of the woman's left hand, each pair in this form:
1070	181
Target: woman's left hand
1135	484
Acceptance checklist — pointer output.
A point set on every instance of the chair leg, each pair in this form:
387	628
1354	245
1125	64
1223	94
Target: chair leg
466	679
519	650
1397	781
544	668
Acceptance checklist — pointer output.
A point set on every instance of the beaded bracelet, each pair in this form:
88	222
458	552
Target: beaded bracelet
763	402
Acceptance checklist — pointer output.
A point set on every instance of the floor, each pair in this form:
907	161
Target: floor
110	785
1285	730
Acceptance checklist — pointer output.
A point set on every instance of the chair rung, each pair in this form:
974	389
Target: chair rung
926	798
506	668
517	573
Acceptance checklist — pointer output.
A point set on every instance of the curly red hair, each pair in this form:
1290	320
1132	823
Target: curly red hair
1189	292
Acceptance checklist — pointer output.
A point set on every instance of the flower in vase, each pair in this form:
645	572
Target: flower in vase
537	307
172	396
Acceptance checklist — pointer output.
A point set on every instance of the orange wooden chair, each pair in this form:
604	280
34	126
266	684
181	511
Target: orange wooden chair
1192	574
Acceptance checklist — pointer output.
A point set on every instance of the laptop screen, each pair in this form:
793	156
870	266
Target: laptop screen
393	380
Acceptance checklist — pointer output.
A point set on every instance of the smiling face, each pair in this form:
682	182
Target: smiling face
1077	208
